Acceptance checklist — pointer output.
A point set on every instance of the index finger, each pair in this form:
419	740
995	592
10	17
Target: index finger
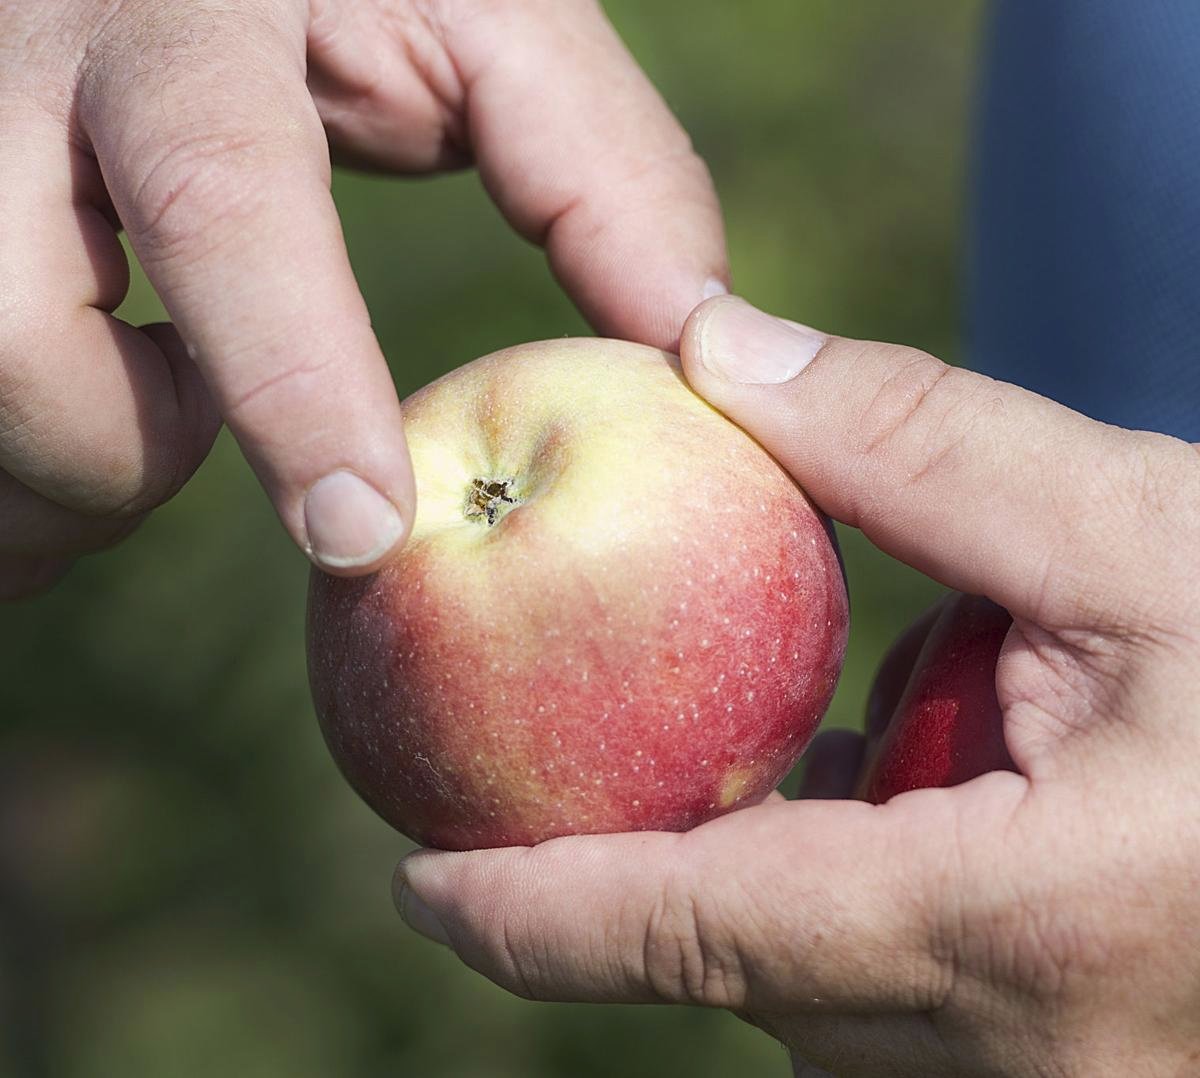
216	161
825	905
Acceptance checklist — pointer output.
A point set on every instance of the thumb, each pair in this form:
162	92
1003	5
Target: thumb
985	487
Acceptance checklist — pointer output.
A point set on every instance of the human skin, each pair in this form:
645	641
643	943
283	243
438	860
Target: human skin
644	635
1040	923
204	129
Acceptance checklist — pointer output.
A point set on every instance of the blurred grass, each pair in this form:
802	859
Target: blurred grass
186	886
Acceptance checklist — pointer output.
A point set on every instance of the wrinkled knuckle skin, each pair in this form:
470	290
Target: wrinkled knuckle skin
506	959
194	195
683	962
900	396
924	412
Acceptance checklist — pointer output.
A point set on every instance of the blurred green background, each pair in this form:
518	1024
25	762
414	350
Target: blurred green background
187	888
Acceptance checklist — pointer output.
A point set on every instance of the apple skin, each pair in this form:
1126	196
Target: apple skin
947	726
647	640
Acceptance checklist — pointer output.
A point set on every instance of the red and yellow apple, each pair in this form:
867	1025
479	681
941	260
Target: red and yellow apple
615	612
947	726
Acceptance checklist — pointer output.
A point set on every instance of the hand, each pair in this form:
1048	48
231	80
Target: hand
1041	923
200	126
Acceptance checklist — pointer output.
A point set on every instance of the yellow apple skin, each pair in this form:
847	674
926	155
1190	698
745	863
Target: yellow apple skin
642	632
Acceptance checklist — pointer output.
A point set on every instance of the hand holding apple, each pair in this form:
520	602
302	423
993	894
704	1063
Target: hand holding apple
202	129
615	612
1040	922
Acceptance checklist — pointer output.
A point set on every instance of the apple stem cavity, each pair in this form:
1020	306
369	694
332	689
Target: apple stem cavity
490	500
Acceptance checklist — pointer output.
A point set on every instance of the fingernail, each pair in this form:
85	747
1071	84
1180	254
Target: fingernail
714	287
349	522
740	343
418	916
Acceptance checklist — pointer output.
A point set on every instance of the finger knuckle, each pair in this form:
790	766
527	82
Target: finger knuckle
200	186
687	953
511	952
500	956
922	415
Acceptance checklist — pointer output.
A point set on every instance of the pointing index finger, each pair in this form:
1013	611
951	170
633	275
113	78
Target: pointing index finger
217	164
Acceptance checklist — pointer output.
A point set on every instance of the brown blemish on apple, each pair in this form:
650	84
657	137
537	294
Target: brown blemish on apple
735	785
490	499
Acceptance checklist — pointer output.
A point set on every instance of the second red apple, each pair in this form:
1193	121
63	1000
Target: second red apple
946	727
